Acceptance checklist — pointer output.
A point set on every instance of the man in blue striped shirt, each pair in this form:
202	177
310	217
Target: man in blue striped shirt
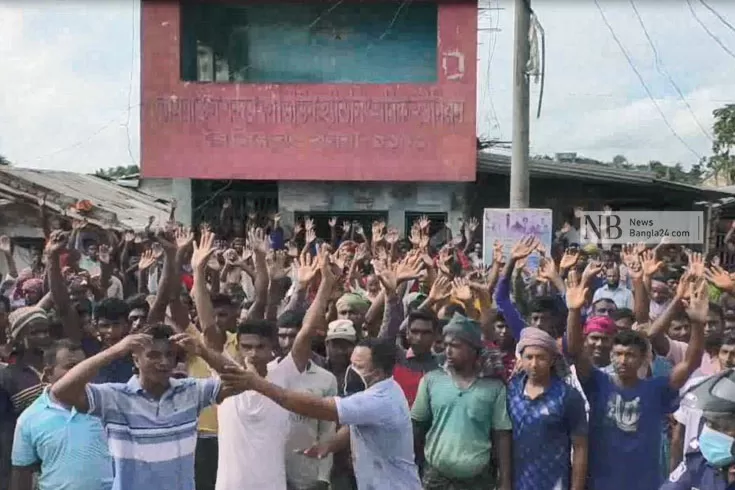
151	420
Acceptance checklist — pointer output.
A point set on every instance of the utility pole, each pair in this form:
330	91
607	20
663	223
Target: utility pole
519	173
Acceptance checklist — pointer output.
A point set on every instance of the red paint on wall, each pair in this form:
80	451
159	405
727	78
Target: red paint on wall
340	132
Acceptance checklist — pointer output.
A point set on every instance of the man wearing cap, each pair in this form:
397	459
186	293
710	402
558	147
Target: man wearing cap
340	342
20	383
462	416
710	464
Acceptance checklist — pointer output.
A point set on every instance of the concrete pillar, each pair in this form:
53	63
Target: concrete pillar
181	191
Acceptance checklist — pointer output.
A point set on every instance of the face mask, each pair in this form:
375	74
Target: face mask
716	447
354	381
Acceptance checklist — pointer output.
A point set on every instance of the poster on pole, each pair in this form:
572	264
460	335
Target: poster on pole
510	225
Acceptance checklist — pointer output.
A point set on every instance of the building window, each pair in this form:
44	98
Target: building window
309	42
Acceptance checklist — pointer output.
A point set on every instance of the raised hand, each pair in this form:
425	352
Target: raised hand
147	259
472	224
441	289
276	263
308	224
157	250
202	251
576	291
346	227
6	246
524	247
259	241
651	265
166	240
593	269
695	263
129	236
103	254
569	259
461	289
310	237
391	236
189	344
424	223
698	304
305	270
326	268
720	278
184	237
629	255
409	268
498	253
55	245
133	343
547	270
359	230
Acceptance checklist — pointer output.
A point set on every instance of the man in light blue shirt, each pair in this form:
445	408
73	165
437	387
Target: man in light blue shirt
69	446
614	291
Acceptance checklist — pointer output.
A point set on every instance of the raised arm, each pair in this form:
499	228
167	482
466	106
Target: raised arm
213	336
314	317
697	309
576	295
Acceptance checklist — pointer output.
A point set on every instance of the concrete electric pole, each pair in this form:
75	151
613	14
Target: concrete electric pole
519	173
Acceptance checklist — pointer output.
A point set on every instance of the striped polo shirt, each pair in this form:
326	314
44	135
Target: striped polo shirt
152	441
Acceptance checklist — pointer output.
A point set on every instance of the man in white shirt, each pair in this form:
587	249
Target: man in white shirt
614	291
253	430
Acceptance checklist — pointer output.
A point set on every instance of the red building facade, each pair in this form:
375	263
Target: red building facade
284	99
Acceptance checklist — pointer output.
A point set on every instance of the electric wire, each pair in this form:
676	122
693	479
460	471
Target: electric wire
708	31
718	15
661	68
643	82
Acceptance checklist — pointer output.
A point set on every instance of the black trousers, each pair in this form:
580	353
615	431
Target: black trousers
205	463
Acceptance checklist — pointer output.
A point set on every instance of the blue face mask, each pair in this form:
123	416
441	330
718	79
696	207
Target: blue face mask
716	447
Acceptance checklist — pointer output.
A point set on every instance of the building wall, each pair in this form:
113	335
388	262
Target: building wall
313	131
395	199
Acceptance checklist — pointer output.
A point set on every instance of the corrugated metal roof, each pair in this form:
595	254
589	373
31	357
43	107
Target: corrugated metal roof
127	208
497	163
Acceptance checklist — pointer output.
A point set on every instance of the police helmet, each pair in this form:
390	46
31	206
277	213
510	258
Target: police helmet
714	395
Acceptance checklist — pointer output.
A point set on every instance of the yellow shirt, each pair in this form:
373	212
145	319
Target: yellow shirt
197	368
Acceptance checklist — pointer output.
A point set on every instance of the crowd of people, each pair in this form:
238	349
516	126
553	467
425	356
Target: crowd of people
244	356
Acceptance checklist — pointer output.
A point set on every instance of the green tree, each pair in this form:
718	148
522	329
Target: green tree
721	163
4	161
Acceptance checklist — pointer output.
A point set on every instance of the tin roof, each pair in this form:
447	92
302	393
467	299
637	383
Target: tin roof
500	164
112	205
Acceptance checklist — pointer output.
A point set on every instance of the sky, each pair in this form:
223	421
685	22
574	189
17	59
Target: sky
69	83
